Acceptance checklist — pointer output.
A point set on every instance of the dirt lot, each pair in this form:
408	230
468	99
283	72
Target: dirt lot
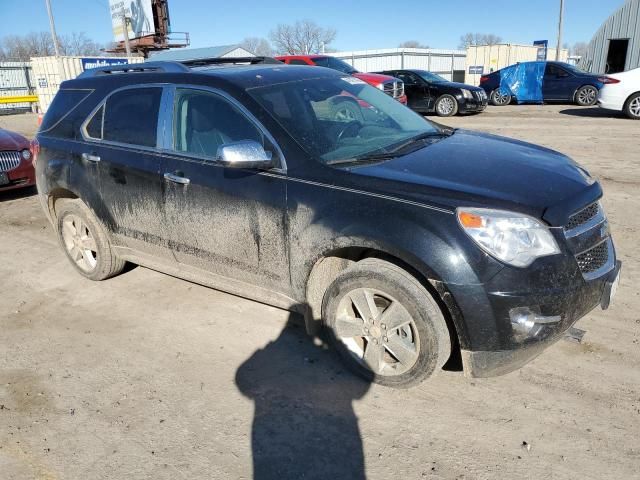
147	376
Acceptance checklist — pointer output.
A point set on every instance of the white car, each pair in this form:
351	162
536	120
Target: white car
623	95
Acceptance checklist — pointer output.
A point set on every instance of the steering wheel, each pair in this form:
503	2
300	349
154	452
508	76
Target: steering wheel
351	128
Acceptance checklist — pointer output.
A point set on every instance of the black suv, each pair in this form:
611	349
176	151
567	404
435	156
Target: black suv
410	242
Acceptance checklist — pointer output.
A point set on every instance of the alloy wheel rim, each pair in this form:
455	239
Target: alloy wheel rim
500	98
634	107
378	331
79	242
587	96
445	106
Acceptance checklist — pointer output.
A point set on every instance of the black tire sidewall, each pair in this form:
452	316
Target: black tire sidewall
102	245
419	307
495	103
627	107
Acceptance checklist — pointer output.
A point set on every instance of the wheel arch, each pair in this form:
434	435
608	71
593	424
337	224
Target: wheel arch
56	194
332	262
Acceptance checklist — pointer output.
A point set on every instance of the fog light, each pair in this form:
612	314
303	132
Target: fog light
528	324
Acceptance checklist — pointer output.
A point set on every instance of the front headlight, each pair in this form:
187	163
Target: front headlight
467	93
26	154
510	237
381	86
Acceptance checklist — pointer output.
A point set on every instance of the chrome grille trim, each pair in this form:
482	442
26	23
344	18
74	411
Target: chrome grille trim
9	160
598	260
584	220
395	89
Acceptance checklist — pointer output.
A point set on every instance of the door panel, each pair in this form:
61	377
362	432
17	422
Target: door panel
559	84
130	168
230	222
416	89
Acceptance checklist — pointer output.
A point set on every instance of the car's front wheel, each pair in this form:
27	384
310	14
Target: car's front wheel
385	324
85	241
632	107
446	106
586	96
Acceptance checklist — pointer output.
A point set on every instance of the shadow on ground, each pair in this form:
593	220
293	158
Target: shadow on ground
5	196
304	424
591	112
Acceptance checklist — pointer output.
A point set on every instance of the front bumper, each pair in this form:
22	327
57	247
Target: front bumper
472	106
20	177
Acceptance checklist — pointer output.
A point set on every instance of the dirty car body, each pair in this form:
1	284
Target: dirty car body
261	231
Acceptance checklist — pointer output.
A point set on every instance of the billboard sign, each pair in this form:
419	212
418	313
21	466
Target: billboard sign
139	14
89	63
543	46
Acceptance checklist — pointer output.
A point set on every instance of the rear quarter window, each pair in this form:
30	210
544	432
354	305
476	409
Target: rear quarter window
59	120
131	117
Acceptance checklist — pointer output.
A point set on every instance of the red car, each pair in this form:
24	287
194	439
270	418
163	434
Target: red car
16	168
389	85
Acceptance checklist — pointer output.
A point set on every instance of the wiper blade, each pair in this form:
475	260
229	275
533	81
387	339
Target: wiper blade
418	138
363	158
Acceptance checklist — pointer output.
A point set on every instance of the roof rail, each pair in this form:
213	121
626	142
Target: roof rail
164	67
203	62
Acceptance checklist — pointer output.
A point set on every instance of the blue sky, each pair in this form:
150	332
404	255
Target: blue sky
360	24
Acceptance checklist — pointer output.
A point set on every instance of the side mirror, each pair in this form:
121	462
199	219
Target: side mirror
244	154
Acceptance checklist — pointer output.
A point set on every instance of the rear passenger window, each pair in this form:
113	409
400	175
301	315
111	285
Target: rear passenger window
205	121
94	127
131	116
295	61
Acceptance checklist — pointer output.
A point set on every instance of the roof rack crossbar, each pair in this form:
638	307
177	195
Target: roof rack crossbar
165	67
202	62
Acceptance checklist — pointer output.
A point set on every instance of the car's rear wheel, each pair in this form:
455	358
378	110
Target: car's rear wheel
632	107
500	98
586	96
85	241
446	106
385	324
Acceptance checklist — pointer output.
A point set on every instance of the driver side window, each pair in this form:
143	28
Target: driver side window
204	121
407	78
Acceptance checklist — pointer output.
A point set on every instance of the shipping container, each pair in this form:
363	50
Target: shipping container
483	59
448	63
49	72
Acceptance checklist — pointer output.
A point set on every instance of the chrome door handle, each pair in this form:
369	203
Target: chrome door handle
176	179
90	157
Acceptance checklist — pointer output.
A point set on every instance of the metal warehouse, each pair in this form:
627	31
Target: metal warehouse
616	45
448	63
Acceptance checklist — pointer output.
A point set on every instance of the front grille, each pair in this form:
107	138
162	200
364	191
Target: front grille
481	95
582	217
594	258
394	89
9	161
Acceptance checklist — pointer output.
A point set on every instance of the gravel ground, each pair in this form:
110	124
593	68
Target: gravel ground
149	377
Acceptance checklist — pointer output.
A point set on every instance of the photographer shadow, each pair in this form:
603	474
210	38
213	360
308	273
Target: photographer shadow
304	425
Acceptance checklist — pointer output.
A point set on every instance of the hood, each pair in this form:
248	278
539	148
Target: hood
375	78
477	169
459	85
12	141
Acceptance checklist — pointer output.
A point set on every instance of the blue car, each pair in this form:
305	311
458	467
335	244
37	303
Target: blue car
539	82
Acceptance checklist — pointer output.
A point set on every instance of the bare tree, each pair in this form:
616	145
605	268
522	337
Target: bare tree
259	46
303	38
469	39
412	44
40	44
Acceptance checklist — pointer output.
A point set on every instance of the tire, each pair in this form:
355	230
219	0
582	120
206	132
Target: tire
446	106
421	346
586	96
85	241
498	99
632	107
347	111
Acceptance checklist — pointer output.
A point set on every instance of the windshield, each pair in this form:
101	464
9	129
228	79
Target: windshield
334	64
341	119
430	77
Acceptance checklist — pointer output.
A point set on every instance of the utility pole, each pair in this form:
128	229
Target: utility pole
56	48
125	29
560	21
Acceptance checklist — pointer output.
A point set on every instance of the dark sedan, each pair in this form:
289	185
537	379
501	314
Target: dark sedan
538	82
428	92
16	169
